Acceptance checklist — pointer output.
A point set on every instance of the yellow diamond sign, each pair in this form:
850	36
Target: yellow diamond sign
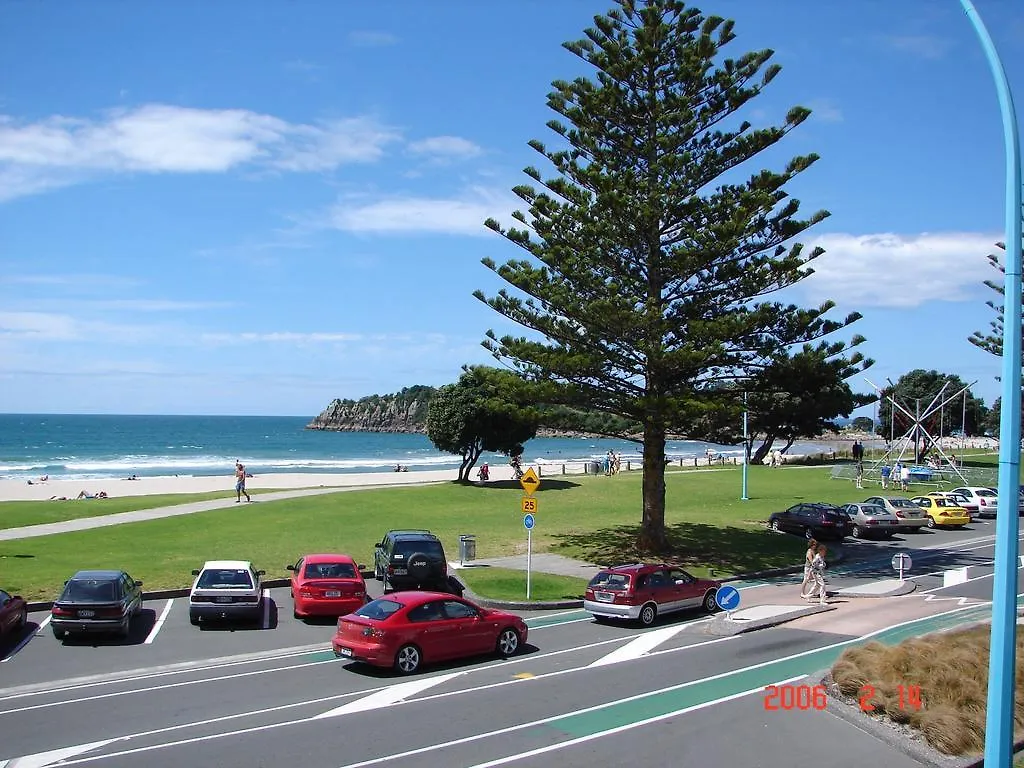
529	481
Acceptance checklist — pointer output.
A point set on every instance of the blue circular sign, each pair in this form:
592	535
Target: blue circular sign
528	522
727	598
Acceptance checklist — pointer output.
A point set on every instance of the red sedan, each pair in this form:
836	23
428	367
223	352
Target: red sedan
326	585
405	629
13	614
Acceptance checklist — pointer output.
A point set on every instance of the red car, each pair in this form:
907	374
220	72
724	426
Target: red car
13	614
326	585
642	591
405	629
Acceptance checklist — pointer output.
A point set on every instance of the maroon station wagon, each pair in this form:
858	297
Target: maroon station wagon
642	591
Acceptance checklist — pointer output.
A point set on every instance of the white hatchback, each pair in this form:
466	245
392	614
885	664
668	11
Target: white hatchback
986	499
226	590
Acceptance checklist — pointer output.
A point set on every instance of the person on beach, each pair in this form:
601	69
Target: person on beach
807	584
240	482
818	572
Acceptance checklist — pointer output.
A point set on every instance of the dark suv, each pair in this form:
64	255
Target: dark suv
813	520
411	560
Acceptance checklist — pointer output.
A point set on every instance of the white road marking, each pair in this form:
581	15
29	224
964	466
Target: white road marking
960	584
159	624
42	759
265	623
43	623
641	646
959	600
475	737
629	726
390	695
14	651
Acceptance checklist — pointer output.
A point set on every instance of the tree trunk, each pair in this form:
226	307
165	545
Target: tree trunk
653	537
762	450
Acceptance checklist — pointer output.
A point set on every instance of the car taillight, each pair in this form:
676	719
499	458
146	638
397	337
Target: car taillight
391	569
306	593
371	632
826	521
59	611
982	501
359	593
871	522
899	514
109	613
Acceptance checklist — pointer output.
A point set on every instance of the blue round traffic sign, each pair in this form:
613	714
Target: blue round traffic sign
528	522
727	598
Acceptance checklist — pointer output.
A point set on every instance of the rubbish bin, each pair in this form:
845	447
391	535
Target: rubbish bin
467	548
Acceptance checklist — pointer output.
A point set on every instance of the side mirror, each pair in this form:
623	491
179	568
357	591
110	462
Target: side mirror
289	567
261	573
361	567
138	583
680	582
66	580
195	571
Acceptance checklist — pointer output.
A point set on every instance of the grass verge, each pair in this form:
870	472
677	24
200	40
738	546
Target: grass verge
510	584
937	685
586	517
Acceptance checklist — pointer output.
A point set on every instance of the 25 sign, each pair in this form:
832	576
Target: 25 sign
529	505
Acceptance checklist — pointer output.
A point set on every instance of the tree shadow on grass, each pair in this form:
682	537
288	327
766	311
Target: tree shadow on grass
726	550
504	485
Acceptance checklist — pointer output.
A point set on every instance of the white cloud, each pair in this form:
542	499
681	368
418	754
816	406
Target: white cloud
279	337
924	46
160	138
371	39
39	326
892	270
157	305
463	215
445	147
826	111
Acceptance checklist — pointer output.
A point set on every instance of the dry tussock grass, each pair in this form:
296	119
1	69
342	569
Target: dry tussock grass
951	671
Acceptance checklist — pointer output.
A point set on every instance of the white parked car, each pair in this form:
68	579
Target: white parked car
986	499
226	590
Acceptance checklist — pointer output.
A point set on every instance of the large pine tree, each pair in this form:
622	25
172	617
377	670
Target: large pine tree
651	255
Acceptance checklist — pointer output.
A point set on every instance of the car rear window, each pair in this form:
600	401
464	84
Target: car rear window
379	609
432	549
225	579
329	571
613	582
988	494
90	591
872	511
902	503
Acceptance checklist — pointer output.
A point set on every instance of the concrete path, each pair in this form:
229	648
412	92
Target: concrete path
85	523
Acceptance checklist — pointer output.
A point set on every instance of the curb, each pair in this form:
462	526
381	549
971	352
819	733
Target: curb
905	589
723	626
515	605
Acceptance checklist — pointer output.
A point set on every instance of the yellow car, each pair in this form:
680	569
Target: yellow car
942	512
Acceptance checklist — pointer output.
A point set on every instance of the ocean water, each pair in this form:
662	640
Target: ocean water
74	447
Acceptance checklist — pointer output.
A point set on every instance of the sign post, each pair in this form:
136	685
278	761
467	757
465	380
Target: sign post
530	483
728	599
901	561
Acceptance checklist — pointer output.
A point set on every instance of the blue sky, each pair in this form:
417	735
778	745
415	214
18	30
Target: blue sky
254	208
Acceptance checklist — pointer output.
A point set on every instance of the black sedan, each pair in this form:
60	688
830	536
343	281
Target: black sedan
812	520
97	601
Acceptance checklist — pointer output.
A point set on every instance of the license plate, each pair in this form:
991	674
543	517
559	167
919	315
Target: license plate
332	593
345	651
86	614
400	572
223	600
604	597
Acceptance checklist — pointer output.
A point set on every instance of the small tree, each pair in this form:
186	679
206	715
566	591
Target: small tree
484	411
863	424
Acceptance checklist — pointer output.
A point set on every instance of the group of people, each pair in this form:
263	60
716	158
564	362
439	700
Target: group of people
814	573
612	462
898	473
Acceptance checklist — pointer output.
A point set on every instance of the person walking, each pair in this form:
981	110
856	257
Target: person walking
240	482
818	572
860	474
904	477
885	472
808	583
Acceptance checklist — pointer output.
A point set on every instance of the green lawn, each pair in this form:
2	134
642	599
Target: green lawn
594	518
510	584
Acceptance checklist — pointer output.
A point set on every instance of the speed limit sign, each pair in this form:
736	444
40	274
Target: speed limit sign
529	504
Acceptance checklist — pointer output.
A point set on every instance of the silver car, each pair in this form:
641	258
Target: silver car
872	521
911	516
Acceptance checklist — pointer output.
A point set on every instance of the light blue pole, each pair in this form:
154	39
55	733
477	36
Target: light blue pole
746	449
1002	661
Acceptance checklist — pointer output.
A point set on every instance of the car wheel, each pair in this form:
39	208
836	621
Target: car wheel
774	525
407	660
193	620
857	532
126	628
508	643
22	620
648	613
709	602
58	633
931	522
808	533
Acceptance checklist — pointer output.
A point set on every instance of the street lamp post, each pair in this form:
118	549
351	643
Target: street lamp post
1002	656
746	449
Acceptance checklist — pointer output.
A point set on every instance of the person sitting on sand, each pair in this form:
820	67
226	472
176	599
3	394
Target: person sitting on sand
87	495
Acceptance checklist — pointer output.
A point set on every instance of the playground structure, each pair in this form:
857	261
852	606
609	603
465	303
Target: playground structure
943	469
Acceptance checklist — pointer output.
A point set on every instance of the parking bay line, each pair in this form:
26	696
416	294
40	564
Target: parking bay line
159	624
265	623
